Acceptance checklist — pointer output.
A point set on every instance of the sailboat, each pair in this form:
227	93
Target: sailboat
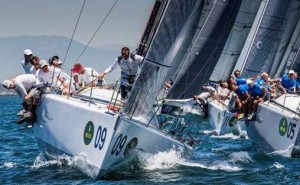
265	44
99	128
277	126
212	58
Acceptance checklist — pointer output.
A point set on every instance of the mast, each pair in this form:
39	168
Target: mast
152	24
173	30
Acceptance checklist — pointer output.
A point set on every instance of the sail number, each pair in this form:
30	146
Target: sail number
119	144
100	137
291	130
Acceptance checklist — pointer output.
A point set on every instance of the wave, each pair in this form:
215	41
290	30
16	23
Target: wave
173	159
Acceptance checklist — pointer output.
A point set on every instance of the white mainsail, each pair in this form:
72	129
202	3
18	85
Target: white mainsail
168	41
264	38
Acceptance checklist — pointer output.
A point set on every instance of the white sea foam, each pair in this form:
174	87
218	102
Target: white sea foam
227	136
172	159
209	132
278	165
64	160
9	165
240	157
286	153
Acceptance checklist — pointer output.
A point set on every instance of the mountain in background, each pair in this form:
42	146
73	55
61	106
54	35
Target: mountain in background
12	49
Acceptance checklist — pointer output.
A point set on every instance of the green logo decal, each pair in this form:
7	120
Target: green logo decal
283	125
88	133
219	118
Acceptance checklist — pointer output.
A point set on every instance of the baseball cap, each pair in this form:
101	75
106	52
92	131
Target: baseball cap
43	63
6	84
76	68
291	72
27	52
56	62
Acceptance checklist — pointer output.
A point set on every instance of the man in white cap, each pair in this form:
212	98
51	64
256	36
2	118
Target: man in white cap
21	84
288	81
26	62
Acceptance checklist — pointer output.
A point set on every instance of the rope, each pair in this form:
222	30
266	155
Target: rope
97	29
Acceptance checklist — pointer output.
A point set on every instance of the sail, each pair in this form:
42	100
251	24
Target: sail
293	61
291	53
236	40
264	38
292	18
174	28
206	49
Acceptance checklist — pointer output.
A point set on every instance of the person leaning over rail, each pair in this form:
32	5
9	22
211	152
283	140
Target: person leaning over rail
22	85
86	76
46	76
129	64
202	98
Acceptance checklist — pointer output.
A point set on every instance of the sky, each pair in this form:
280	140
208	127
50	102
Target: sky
124	25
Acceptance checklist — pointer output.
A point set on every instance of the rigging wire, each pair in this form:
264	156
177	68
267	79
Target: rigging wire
73	33
98	29
64	61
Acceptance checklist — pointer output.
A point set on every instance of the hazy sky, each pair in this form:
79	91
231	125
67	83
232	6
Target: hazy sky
124	25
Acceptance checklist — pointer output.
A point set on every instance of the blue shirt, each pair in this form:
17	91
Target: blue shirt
287	82
262	82
240	81
256	90
242	89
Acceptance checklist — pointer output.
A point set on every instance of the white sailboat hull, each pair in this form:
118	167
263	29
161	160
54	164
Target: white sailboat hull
274	129
185	106
223	121
74	128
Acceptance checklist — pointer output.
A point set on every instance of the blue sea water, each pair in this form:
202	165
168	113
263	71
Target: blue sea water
227	159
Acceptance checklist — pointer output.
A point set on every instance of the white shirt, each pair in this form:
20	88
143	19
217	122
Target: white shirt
26	67
23	83
32	70
42	77
223	92
86	78
129	66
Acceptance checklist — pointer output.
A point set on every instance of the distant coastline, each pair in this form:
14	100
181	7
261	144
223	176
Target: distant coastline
8	94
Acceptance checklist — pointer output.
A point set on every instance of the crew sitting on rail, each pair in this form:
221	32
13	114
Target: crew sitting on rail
201	99
238	79
223	92
86	76
258	95
242	96
288	81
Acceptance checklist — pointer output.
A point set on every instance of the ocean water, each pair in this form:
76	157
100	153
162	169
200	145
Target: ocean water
226	159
